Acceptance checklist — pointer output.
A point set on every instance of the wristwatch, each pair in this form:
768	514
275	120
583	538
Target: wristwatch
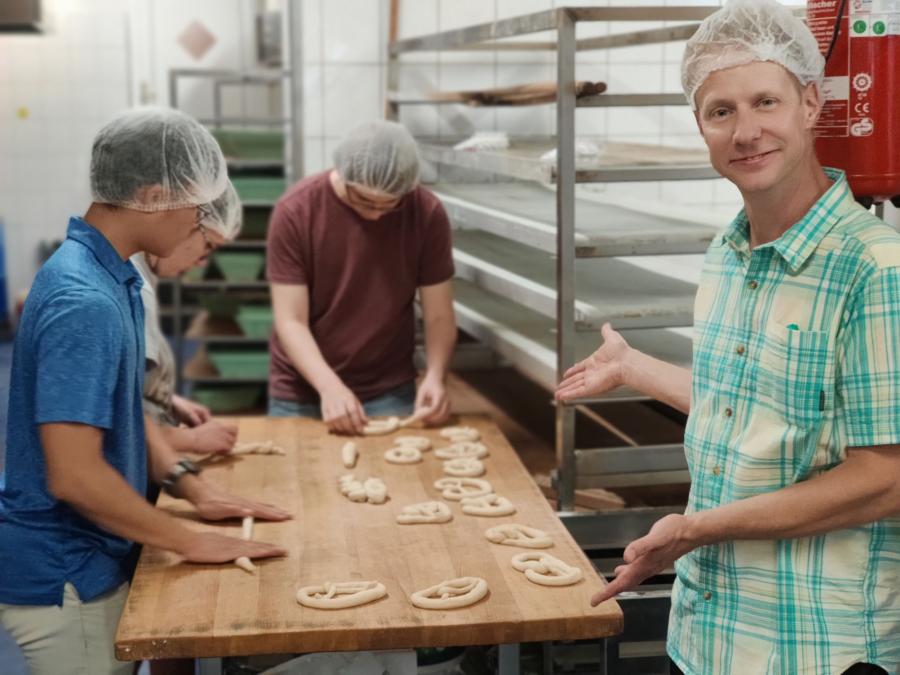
181	467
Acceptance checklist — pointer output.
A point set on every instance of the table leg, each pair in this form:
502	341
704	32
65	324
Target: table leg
509	659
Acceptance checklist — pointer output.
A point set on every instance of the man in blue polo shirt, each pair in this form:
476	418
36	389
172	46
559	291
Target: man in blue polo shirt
76	463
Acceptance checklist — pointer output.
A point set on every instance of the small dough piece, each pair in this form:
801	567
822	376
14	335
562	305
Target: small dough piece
460	434
425	512
451	594
349	454
420	443
545	569
462	449
403	454
381	427
246	534
513	534
376	491
455	489
468	467
340	595
488	505
260	448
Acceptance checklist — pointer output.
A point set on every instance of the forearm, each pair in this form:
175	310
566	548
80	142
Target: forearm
659	380
161	455
305	355
863	489
440	341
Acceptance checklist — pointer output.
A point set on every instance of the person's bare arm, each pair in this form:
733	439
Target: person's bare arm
208	437
440	340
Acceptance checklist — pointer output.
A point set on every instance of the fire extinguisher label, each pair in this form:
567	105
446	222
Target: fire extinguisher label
874	25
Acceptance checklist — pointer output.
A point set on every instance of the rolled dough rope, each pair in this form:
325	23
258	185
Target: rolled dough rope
349	454
259	448
462	449
467	467
381	427
488	505
454	489
412	419
513	534
376	491
340	595
420	443
451	594
545	569
246	534
459	434
403	454
425	512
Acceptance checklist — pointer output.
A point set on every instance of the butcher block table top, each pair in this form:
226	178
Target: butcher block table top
176	609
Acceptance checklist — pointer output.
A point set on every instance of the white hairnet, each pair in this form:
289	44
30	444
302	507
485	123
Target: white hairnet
744	31
225	214
149	147
380	155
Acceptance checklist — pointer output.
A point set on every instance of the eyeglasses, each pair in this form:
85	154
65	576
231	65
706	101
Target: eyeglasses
357	199
203	213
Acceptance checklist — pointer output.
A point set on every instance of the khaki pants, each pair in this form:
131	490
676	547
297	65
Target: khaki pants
75	639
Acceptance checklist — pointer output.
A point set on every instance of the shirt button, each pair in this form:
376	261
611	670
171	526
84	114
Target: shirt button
729	412
740	349
753	285
707	595
717	470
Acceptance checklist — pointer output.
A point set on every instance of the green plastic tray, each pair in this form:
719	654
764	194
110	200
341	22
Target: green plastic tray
256	222
256	189
255	321
242	266
227	399
236	364
250	145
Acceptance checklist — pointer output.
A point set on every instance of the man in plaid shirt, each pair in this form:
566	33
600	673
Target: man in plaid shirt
788	555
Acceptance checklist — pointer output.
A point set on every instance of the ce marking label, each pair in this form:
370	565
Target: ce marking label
861	107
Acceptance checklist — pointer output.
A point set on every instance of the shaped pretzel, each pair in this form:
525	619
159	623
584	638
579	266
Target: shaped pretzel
381	427
513	534
454	489
545	569
458	434
425	512
488	505
451	594
420	443
373	490
467	467
462	449
403	454
340	595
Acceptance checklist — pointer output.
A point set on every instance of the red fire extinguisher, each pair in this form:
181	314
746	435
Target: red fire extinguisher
859	128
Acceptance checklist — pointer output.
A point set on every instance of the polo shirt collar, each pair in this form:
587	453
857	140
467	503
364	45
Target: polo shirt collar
121	270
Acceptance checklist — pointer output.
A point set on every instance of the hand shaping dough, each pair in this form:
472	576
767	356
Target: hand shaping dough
459	434
373	490
420	443
403	454
425	512
513	534
381	427
488	505
260	448
468	467
462	449
454	489
246	534
451	594
340	595
546	570
349	454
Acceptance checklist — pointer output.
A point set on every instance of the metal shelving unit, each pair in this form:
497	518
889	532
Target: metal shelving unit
525	286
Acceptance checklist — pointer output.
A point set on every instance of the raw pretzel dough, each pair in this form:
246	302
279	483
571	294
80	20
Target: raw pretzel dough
340	595
381	427
488	505
545	569
373	490
412	419
451	594
513	534
349	454
459	434
259	448
376	491
467	467
420	443
246	534
425	512
403	454
455	489
462	449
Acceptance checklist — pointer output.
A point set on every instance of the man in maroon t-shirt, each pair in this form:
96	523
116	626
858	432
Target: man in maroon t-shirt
347	250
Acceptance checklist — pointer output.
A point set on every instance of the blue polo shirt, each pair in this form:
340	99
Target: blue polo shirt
78	357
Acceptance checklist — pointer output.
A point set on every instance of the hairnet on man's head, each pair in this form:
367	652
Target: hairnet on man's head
380	155
149	147
225	214
744	31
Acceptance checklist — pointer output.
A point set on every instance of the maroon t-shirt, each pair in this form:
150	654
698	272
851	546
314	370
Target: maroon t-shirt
362	277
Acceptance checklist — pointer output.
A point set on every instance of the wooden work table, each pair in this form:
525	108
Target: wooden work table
176	609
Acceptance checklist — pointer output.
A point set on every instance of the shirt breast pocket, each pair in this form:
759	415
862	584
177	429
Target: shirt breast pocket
796	374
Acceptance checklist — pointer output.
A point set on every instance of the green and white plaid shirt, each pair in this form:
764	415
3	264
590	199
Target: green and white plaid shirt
796	358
